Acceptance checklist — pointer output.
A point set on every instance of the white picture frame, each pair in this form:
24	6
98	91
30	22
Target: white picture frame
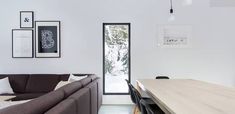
22	43
26	19
47	39
174	36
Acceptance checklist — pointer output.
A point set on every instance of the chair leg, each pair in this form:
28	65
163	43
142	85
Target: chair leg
136	110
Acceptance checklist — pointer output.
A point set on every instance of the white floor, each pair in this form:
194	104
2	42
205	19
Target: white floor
116	109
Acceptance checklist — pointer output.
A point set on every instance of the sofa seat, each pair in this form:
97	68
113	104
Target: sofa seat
26	96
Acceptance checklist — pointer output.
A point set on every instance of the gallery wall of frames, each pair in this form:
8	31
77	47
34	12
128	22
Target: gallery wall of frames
39	39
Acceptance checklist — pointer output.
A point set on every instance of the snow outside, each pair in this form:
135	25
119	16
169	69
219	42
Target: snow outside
116	58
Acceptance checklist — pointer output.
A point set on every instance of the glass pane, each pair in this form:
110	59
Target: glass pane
116	64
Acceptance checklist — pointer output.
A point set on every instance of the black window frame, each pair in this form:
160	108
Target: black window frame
129	58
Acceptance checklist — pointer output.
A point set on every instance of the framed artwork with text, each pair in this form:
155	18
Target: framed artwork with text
22	43
174	36
26	19
47	41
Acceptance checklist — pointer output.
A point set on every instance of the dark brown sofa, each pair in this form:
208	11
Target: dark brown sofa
29	86
80	97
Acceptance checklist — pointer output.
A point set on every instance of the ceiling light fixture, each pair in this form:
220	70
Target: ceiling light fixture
172	17
187	2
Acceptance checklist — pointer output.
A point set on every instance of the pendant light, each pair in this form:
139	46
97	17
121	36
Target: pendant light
172	16
187	2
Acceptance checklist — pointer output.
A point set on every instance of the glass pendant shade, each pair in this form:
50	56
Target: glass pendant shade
172	17
187	2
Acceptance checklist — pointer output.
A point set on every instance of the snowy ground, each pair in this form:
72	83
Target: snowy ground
116	84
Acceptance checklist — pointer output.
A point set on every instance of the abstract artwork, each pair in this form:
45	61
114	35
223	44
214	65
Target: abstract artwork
47	39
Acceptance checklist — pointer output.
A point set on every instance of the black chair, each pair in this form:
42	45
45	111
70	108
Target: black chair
148	101
151	109
131	91
138	98
162	77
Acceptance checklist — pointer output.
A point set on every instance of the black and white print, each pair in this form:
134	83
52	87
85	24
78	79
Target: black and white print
22	43
26	19
47	39
174	36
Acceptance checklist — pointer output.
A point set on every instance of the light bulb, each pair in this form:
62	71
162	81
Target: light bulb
172	17
188	2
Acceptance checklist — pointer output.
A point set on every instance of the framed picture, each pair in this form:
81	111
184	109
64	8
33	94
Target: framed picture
22	43
26	19
175	36
47	42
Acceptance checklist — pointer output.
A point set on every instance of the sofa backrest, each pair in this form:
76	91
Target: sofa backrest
100	92
68	106
85	81
34	83
71	88
17	81
94	96
82	99
93	77
42	82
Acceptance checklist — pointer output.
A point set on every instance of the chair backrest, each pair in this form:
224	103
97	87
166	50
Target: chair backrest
138	99
147	106
162	77
131	91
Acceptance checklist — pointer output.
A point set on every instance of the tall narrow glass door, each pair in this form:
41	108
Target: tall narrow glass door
116	57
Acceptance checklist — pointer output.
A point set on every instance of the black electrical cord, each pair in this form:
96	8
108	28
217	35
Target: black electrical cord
171	10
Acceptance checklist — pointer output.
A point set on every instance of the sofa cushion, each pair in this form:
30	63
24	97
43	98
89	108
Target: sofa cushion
61	84
70	88
85	81
73	78
5	86
67	106
93	77
37	106
43	82
46	102
82	98
17	81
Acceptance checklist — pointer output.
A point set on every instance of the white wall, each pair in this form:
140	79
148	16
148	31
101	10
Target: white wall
211	58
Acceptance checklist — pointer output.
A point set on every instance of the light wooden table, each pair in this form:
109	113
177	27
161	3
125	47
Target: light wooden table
182	96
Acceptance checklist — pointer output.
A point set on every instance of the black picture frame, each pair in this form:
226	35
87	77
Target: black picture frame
14	55
129	58
50	26
30	19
